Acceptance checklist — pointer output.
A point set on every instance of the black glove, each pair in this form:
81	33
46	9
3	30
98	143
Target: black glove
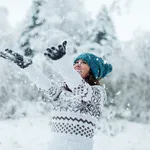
16	58
56	53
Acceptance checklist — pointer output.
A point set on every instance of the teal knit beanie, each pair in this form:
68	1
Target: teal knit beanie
96	64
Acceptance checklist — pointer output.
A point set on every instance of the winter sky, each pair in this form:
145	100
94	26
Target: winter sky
136	17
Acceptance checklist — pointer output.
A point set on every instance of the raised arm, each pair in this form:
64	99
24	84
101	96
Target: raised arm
49	87
64	65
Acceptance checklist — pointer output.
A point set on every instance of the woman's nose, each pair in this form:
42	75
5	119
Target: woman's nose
79	63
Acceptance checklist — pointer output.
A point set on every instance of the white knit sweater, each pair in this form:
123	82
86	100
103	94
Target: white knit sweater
74	114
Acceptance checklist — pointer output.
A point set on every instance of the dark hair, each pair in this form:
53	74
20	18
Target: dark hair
91	79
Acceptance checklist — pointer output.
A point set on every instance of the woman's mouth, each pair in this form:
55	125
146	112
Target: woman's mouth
79	71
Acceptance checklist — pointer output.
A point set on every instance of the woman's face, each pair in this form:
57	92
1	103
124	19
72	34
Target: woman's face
82	68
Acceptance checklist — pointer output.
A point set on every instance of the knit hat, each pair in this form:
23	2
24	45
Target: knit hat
96	64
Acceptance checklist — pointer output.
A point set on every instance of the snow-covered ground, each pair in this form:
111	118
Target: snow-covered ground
33	133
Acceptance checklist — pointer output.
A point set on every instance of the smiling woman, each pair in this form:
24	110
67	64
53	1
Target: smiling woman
16	9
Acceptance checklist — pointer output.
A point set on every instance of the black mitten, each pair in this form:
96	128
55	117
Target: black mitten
56	53
16	58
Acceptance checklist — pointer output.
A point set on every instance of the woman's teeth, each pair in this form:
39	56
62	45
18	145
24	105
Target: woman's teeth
79	71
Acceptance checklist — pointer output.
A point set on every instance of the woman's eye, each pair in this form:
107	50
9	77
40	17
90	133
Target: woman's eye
80	62
83	62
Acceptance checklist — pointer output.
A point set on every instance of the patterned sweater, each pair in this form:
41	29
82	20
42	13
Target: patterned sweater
74	114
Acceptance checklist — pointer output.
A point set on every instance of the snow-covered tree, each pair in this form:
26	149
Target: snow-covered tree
102	29
62	22
129	84
100	36
31	28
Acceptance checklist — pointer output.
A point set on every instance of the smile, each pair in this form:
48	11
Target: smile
79	71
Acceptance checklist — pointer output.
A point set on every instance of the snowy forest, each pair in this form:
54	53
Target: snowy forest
47	24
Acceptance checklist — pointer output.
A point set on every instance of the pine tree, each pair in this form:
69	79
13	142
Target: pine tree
103	31
100	36
30	32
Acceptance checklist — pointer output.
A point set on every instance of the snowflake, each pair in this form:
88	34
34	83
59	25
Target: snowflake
65	104
83	107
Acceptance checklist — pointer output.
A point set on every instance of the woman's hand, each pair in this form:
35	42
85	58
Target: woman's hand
56	53
16	58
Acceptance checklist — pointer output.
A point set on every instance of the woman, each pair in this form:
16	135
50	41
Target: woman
78	103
